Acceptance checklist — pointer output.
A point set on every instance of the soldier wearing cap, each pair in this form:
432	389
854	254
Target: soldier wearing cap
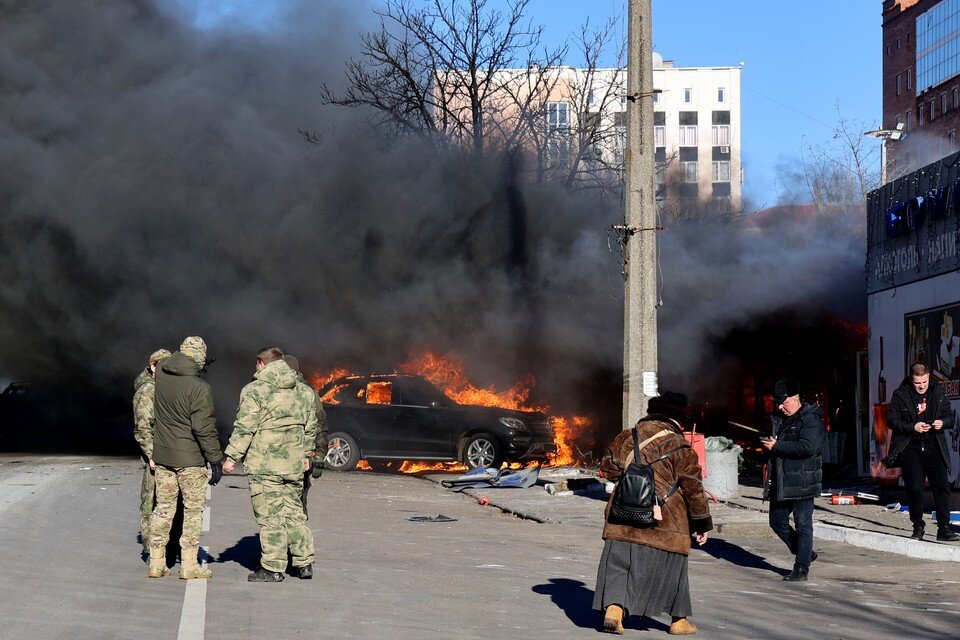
184	440
796	472
318	460
145	389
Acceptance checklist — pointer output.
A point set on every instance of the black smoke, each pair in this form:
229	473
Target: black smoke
154	186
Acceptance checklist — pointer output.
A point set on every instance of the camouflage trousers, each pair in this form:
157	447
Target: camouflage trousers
283	524
147	501
191	483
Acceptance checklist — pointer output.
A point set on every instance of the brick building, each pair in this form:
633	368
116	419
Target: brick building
921	81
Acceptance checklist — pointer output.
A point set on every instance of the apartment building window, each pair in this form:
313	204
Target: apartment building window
943	103
721	135
688	172
558	130
952	140
956	97
888	49
909	78
721	171
920	116
661	170
899	85
619	136
688	95
721	95
933	113
688	128
591	99
656	97
908	120
898	43
659	136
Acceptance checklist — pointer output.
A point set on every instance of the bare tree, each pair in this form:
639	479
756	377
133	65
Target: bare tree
446	70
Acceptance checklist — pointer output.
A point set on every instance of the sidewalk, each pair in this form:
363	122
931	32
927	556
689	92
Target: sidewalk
865	525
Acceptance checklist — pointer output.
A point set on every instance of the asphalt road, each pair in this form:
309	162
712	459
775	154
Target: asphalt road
70	567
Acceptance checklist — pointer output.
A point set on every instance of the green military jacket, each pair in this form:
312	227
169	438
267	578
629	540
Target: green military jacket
185	429
320	443
145	389
276	425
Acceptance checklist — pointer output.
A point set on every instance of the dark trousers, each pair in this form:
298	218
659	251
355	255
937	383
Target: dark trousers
917	463
303	495
799	540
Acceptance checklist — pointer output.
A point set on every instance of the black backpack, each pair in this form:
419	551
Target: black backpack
636	492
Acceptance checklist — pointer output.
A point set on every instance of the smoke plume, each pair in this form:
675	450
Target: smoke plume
155	186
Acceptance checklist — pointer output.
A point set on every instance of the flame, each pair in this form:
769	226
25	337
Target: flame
447	373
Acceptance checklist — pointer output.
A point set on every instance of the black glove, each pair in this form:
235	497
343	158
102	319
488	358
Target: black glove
216	472
316	467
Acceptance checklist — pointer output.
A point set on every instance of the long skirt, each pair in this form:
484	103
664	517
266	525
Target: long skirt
643	580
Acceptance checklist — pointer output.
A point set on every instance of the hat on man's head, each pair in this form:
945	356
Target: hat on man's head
158	355
195	348
784	389
669	403
292	362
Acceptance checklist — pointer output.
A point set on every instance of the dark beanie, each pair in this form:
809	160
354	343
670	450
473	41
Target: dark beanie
668	403
784	389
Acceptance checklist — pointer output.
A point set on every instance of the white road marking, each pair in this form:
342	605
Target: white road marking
193	617
206	520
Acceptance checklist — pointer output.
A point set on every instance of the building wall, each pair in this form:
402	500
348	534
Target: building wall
928	139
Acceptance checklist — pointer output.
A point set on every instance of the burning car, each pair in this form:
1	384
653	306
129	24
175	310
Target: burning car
388	419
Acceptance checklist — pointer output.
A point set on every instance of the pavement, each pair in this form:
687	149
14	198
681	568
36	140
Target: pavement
868	525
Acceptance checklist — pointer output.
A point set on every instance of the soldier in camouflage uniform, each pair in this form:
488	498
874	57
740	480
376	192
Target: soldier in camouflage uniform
274	436
143	433
184	440
318	461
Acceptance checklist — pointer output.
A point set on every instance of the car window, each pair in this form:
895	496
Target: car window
379	392
420	393
344	393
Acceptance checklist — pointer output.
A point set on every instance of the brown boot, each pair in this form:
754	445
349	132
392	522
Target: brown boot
189	568
682	627
613	619
158	564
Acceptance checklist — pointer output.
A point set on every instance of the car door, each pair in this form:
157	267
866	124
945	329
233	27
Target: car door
364	409
421	429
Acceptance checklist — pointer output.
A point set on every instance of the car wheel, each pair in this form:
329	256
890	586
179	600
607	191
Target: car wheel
343	454
482	449
386	466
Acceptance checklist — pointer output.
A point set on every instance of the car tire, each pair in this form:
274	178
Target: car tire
343	454
386	466
481	448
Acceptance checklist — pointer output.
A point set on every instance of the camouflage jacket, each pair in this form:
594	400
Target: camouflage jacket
276	425
143	411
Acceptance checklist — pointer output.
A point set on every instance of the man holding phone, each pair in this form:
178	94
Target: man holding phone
795	473
919	415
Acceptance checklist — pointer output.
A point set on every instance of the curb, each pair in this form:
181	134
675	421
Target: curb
885	542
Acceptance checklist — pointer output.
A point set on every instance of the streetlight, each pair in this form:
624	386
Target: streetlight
884	135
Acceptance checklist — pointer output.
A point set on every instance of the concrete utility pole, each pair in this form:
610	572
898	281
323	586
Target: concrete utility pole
640	297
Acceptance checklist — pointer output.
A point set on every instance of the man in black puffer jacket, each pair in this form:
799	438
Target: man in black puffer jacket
796	473
920	415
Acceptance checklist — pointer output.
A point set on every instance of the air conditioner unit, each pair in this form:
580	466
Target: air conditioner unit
724	149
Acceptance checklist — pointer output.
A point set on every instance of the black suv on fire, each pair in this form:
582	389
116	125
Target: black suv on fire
387	419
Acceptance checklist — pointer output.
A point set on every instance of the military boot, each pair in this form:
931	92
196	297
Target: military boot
262	575
190	569
158	564
917	531
305	572
799	573
944	534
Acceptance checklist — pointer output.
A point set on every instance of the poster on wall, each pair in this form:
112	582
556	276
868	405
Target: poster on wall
932	337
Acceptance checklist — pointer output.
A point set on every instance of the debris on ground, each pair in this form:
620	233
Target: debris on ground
437	518
491	478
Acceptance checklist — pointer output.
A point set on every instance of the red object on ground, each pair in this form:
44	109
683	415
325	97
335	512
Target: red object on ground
835	499
698	444
484	501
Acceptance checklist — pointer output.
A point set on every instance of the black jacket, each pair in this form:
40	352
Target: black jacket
185	431
902	416
797	459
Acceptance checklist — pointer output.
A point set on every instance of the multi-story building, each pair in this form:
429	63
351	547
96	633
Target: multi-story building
921	81
574	121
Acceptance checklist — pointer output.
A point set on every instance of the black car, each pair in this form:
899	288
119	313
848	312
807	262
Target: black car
387	419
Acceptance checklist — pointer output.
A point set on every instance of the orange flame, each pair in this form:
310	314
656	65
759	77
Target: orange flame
447	372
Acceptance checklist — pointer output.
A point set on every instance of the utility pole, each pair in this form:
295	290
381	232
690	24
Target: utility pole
640	234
